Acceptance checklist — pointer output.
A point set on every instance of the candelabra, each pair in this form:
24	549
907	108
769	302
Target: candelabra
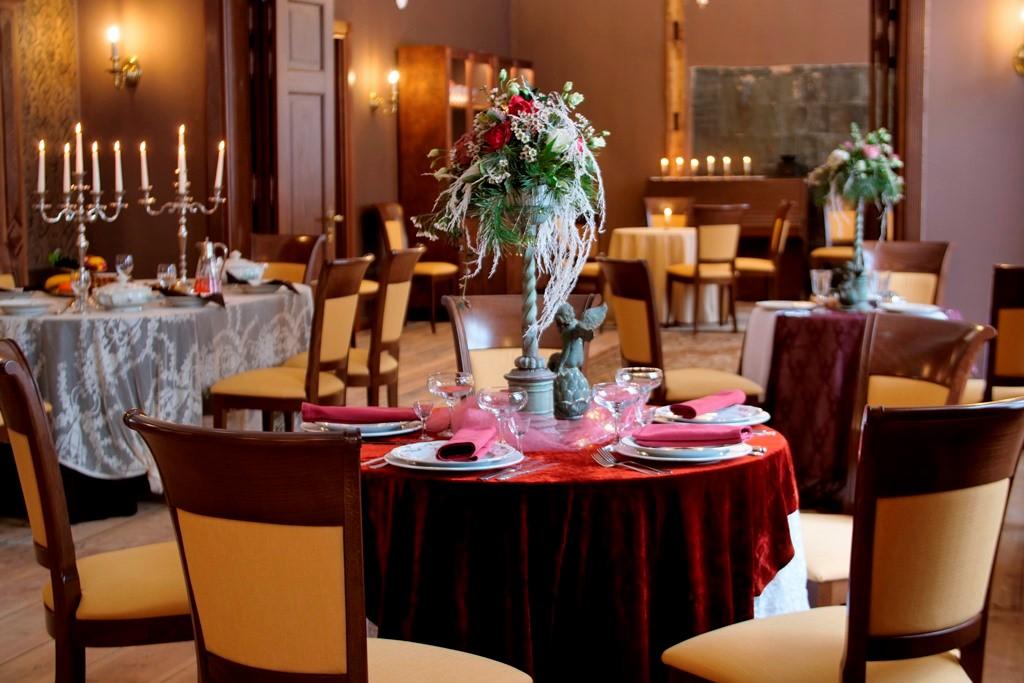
183	204
76	209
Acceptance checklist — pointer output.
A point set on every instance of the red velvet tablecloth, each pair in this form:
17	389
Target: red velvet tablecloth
576	573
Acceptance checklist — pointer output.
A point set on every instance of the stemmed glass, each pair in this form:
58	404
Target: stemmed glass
450	387
617	399
423	410
124	264
81	279
166	274
519	424
821	285
502	402
644	379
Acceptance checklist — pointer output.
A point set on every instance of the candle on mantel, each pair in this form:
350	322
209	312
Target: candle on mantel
711	165
664	166
118	173
79	163
726	165
41	181
668	216
95	166
182	173
679	166
694	166
217	183
181	135
144	162
66	185
746	165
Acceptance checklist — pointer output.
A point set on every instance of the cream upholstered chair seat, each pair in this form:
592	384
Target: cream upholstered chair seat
974	392
368	287
828	540
491	365
591	269
358	362
835	253
754	265
683	384
289	272
134	583
707	270
286	382
792	648
904	392
435	268
397	661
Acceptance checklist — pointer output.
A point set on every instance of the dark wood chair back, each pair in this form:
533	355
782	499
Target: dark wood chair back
717	214
917	269
932	490
269	530
295	258
488	334
632	301
335	305
1006	352
655	207
392	226
392	304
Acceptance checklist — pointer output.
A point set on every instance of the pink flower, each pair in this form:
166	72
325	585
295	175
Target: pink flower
518	105
848	146
872	151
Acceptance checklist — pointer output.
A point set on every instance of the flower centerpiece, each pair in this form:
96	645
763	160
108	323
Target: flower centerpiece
527	178
862	169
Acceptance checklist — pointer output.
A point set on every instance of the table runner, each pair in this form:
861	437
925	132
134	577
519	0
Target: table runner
576	572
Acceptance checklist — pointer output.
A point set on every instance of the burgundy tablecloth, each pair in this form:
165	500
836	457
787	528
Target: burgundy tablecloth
577	572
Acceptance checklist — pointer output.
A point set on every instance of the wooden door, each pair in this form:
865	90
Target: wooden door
305	115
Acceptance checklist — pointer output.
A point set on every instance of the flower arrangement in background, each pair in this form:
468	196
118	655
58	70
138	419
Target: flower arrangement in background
527	176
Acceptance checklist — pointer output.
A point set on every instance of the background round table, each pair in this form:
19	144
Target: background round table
577	572
661	248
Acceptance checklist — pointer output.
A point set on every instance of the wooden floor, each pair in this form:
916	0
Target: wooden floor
26	652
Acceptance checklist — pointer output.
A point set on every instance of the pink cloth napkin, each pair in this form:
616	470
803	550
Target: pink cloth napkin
708	404
688	436
355	415
472	439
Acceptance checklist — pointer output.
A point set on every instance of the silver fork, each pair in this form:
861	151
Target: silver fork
605	458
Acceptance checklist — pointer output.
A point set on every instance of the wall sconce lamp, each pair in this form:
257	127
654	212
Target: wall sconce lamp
390	105
126	73
1018	59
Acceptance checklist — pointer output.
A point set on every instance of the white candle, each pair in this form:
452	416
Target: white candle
220	166
182	173
79	163
726	165
144	164
679	166
95	166
67	168
118	173
664	166
41	181
746	165
181	135
694	166
668	216
711	165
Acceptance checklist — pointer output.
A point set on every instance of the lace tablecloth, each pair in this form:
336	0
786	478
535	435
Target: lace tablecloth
94	367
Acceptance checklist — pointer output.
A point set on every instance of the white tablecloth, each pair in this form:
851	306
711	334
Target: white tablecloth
661	248
94	367
787	592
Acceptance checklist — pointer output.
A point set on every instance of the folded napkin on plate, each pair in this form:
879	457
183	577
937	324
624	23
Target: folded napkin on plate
283	283
690	436
215	298
708	404
355	416
473	438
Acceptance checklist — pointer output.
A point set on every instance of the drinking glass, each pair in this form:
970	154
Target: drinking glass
644	379
166	274
124	264
423	410
519	425
81	279
450	387
502	402
821	284
617	399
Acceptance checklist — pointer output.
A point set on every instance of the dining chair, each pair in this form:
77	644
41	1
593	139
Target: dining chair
133	596
1005	376
377	365
269	528
716	265
488	333
293	258
840	226
7	281
679	210
769	268
717	214
905	361
932	492
319	379
917	270
392	221
632	301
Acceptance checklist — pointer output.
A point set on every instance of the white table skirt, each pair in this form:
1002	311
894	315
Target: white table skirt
787	592
94	367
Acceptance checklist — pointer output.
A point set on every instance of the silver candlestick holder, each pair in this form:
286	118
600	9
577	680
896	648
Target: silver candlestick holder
183	204
76	209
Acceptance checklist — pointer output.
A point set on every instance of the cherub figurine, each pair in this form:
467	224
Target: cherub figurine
572	392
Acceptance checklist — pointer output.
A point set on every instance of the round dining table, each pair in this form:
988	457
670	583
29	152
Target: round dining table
579	572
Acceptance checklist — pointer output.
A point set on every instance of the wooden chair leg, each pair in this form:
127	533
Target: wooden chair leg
70	661
732	306
268	420
373	394
393	393
972	658
289	421
722	310
220	415
696	303
433	305
669	300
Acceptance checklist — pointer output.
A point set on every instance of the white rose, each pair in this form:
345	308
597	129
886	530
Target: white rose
597	143
562	139
838	157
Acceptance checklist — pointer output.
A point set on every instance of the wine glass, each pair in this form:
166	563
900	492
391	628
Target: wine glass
821	284
166	274
124	264
644	379
502	402
617	399
81	279
423	410
519	425
450	387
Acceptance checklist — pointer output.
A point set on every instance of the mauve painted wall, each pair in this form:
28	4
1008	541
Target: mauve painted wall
973	144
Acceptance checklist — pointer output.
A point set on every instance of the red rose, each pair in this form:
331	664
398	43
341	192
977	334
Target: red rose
517	105
462	154
497	137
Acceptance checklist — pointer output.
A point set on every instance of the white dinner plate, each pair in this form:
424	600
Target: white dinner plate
780	305
368	431
908	308
27	307
422	455
680	453
733	415
728	453
184	301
